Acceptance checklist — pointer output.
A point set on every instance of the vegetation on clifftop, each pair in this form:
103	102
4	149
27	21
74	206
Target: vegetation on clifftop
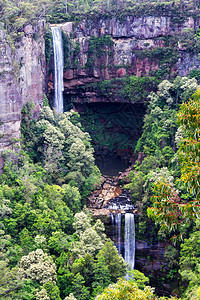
15	14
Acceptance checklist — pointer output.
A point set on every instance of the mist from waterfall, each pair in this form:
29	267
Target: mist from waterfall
58	69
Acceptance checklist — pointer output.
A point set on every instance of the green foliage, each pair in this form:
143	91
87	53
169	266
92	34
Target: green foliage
128	290
26	241
166	57
136	185
139	278
66	49
94	180
157	142
59	11
10	283
48	45
52	291
195	73
115	263
91	238
16	14
158	131
37	266
168	208
172	258
80	291
157	169
90	272
75	51
102	277
165	211
45	100
134	89
189	263
189	148
63	149
113	126
189	40
98	46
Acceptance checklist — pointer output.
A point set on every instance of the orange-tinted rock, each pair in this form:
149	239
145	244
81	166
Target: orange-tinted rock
68	74
121	72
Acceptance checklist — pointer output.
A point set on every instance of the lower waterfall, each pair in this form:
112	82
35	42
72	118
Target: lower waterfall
125	241
129	247
118	221
113	223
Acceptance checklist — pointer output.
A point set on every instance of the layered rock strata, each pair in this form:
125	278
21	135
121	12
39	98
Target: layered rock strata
104	48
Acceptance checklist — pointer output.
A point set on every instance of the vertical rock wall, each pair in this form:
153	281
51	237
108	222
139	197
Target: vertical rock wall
22	79
10	98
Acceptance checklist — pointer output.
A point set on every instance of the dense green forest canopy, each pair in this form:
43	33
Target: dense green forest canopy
50	246
169	175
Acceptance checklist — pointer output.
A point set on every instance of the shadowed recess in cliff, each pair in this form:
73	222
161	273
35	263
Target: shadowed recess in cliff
110	164
58	69
115	129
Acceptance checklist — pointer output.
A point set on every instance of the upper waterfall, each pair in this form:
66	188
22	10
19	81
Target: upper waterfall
58	68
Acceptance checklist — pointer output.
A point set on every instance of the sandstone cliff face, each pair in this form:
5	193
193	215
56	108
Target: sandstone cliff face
130	51
10	99
22	79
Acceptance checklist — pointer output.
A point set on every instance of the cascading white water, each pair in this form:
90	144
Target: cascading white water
118	220
58	69
113	223
129	251
112	218
124	241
